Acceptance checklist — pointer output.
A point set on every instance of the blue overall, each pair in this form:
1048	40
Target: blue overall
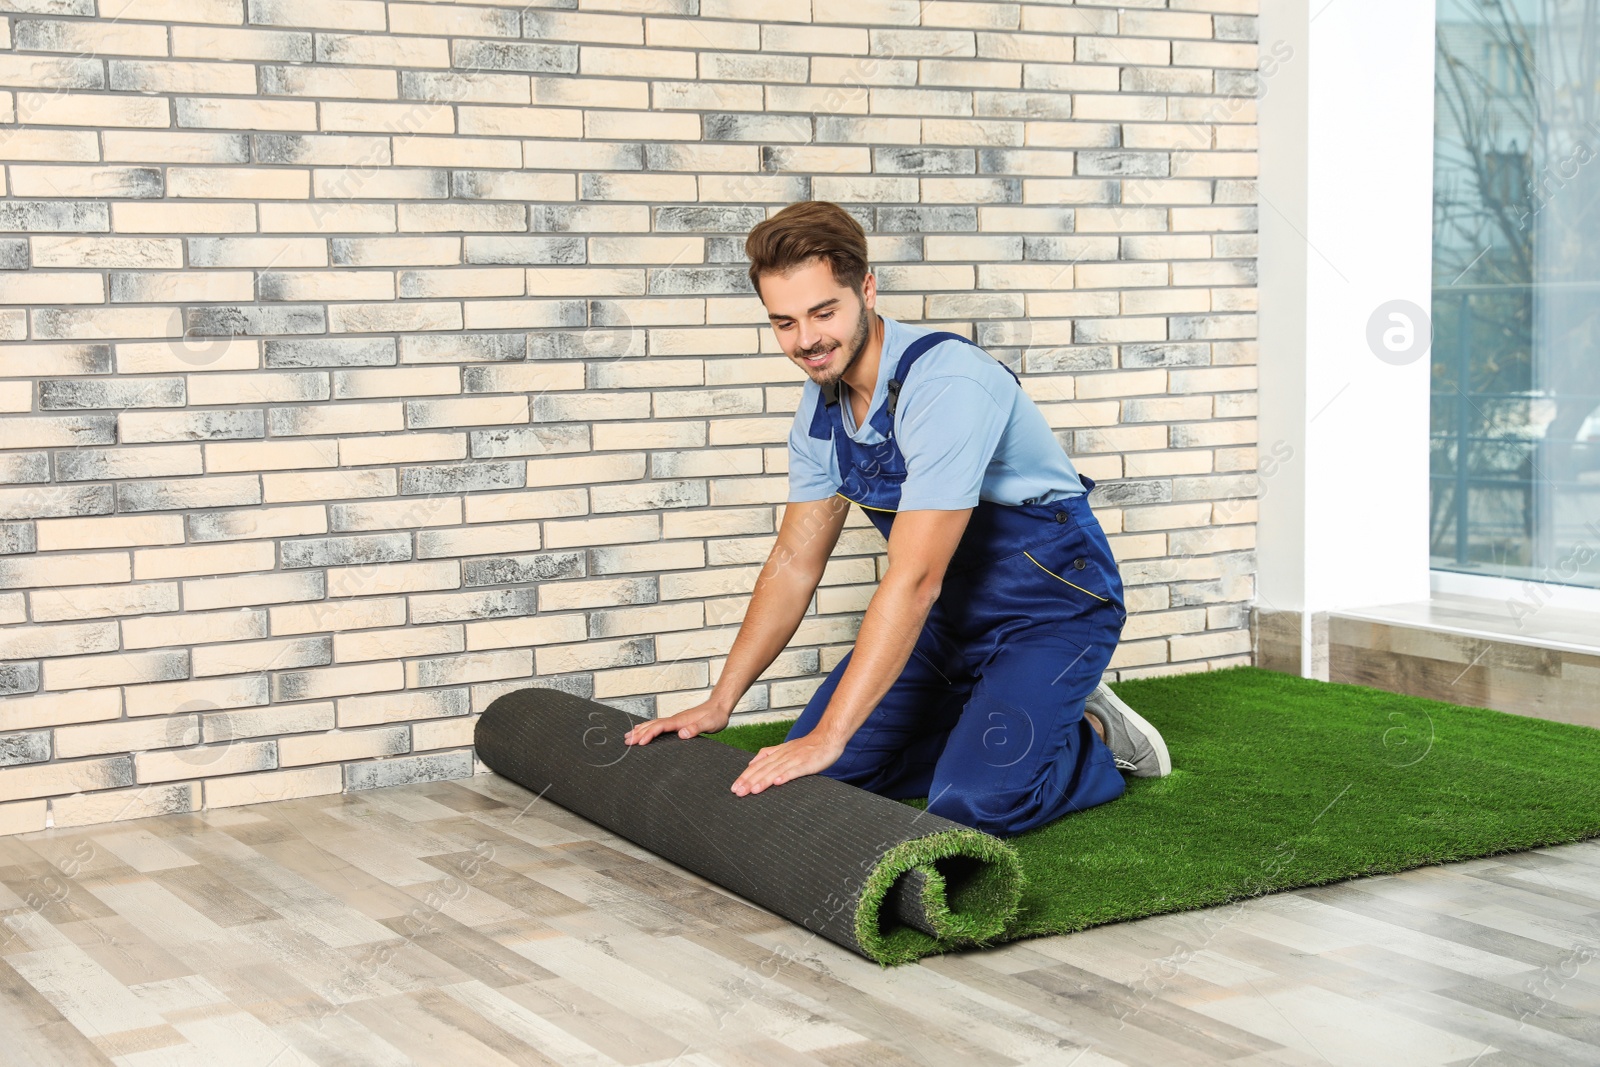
986	719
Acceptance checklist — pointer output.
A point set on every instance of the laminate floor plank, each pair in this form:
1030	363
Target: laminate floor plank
471	922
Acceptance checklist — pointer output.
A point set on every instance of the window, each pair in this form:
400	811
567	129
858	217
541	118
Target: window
1515	460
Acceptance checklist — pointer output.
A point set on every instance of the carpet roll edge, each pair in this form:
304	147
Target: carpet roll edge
971	908
978	909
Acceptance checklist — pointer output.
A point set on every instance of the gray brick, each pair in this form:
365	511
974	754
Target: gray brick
24	748
642	706
1203	327
56	501
748	67
58	216
1178	355
1197	594
514	570
129	288
1129	493
123	393
18	678
524	250
928	219
461	478
220	424
726	250
293	685
24	468
345	551
577	684
1069	249
175	494
717	219
692	281
14	253
484	604
532	57
331	352
17	538
683	493
590	344
530	441
922	160
735	126
1025	105
1070	360
408	770
1134	164
442	670
1240	83
254	321
1235	27
464	347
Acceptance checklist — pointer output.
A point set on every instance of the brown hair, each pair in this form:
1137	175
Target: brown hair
802	232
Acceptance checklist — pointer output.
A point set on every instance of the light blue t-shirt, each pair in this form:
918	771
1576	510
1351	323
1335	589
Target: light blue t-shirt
967	431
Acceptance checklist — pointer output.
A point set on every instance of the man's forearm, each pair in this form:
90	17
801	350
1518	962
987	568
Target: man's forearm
778	603
889	630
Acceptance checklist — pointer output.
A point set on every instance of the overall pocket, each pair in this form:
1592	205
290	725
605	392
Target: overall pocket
1069	581
1079	564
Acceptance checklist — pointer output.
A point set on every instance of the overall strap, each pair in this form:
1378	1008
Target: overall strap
822	425
884	419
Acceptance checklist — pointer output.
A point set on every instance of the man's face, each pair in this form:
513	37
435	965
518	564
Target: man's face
822	325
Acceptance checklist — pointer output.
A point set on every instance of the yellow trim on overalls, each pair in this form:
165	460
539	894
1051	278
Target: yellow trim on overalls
869	507
1058	577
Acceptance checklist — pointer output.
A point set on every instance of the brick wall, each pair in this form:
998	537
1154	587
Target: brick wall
363	361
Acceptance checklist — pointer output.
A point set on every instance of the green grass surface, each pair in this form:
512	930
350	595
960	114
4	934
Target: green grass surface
1281	782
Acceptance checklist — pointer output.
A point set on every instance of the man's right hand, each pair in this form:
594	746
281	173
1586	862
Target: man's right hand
704	718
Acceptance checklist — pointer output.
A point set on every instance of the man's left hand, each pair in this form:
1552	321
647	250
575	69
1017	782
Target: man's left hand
777	764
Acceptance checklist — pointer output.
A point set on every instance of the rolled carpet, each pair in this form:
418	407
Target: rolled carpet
881	878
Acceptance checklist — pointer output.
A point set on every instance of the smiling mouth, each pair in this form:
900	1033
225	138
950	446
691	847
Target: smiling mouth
817	360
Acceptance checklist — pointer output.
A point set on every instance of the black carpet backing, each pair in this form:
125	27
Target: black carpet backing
881	878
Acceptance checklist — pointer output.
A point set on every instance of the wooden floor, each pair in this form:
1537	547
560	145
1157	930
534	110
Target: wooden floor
469	924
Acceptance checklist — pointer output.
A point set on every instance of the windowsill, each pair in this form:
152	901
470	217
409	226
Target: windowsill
1500	610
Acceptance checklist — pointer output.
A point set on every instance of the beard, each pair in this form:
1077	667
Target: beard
851	350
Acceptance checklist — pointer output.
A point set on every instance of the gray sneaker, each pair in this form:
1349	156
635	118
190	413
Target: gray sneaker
1136	744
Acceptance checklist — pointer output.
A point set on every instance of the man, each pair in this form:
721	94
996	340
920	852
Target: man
974	679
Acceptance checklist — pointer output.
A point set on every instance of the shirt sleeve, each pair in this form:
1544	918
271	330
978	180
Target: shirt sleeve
810	471
952	426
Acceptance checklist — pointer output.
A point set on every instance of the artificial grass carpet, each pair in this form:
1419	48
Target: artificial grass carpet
1280	782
